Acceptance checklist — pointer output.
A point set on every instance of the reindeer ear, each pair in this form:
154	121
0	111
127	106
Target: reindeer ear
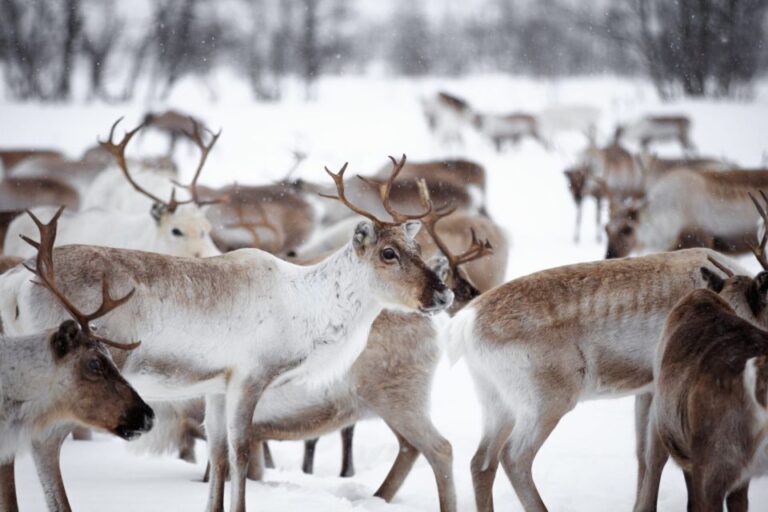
365	235
157	211
761	285
65	338
714	281
412	228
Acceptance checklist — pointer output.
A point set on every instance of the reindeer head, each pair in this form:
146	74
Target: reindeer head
622	230
400	275
87	386
748	296
446	264
182	227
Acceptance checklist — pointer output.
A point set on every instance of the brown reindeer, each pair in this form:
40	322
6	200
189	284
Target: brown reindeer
711	376
11	157
20	193
49	381
539	344
580	186
174	124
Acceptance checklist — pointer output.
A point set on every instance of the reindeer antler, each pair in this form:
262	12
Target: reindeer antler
725	270
477	248
45	273
197	137
385	190
759	251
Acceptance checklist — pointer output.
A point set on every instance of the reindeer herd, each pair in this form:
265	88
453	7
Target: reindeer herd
287	311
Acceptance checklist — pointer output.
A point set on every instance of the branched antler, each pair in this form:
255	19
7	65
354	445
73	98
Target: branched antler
725	270
385	190
44	271
477	248
759	251
117	150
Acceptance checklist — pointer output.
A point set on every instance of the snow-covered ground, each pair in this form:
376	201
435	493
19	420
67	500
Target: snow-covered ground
587	464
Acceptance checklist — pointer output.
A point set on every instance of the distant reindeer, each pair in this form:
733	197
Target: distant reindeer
61	376
503	128
446	116
714	203
581	185
539	344
654	129
711	376
170	227
271	335
174	124
10	157
20	193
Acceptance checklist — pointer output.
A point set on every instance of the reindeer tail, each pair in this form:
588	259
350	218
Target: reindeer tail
458	333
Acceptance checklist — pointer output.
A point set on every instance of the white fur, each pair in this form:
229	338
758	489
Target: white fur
138	231
458	333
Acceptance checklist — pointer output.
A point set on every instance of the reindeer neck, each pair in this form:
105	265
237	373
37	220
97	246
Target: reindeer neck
25	363
340	289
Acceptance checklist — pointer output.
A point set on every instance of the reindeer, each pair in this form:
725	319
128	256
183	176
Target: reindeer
403	352
513	127
61	376
175	125
18	193
178	227
711	376
716	203
581	185
7	263
10	157
284	322
539	344
446	115
652	129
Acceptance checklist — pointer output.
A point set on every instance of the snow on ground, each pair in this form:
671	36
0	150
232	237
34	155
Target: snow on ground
587	464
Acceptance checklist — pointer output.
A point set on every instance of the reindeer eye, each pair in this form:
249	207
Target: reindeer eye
176	232
94	365
626	231
389	254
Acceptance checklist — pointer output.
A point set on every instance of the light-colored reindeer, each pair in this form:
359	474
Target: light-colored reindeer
61	376
714	203
446	116
178	228
539	344
653	129
283	322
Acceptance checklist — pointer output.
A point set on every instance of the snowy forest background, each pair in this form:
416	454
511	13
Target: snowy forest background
686	47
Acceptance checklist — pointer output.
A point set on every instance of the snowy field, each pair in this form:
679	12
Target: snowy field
587	464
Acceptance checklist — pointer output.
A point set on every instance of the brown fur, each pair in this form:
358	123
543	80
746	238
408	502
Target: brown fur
6	217
702	400
8	262
457	173
10	157
21	193
453	102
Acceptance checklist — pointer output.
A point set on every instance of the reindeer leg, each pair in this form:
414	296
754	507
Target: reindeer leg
738	500
497	427
642	410
308	465
347	460
269	462
8	500
529	433
46	454
654	457
598	219
242	397
406	457
257	458
215	429
578	222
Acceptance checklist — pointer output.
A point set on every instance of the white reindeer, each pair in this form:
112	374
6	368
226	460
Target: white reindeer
229	326
61	376
178	228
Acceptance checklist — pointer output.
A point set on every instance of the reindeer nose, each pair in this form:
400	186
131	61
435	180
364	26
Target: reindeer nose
443	298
